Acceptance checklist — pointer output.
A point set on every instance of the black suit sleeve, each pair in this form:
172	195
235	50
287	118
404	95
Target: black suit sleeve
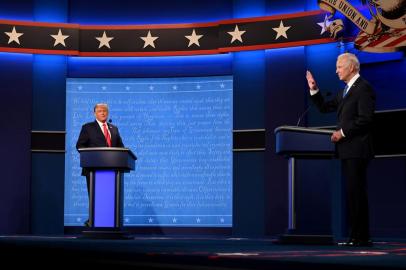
119	140
361	122
325	106
83	139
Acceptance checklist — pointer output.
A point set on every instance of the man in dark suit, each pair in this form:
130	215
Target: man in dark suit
98	133
355	106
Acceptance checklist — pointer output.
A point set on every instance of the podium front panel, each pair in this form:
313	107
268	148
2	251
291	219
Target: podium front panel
293	143
104	198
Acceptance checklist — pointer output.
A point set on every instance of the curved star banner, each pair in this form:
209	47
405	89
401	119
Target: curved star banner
257	33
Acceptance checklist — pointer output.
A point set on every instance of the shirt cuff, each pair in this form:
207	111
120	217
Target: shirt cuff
313	92
342	132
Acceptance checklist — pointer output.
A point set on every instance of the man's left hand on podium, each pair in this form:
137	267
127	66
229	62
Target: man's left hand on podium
336	136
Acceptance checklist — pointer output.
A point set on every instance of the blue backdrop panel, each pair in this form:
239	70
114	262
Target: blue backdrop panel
181	132
15	162
122	12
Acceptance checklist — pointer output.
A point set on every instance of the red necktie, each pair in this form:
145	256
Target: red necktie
106	135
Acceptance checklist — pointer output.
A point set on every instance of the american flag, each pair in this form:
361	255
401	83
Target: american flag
388	41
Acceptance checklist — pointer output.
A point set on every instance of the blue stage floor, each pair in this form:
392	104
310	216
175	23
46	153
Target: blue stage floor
195	253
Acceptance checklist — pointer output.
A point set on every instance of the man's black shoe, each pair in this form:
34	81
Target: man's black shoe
356	243
348	243
363	243
87	223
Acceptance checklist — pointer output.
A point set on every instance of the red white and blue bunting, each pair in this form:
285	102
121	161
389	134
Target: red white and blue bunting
257	33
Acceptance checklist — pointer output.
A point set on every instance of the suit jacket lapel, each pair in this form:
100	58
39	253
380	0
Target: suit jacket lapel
99	131
112	133
352	88
348	95
341	103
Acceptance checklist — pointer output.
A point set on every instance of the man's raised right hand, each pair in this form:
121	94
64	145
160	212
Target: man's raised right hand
310	81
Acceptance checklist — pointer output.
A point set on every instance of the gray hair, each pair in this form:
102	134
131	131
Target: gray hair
350	59
101	105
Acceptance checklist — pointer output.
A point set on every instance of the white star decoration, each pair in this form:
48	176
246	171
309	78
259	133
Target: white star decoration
59	38
13	36
236	34
323	27
104	40
194	39
149	40
281	30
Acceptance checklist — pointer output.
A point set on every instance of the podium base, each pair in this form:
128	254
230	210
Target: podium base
106	234
302	239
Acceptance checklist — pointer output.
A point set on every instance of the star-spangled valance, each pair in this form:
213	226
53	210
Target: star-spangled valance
257	33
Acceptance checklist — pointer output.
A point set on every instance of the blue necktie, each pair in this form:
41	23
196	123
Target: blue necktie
345	90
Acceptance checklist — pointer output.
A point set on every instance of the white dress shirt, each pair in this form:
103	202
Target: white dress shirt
101	126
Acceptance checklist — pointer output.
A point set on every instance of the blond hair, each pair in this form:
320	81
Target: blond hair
101	105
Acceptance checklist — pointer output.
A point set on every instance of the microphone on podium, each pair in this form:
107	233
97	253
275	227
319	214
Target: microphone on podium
110	120
327	94
303	114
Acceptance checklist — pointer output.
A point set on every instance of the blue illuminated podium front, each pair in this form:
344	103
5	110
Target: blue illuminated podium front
106	167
